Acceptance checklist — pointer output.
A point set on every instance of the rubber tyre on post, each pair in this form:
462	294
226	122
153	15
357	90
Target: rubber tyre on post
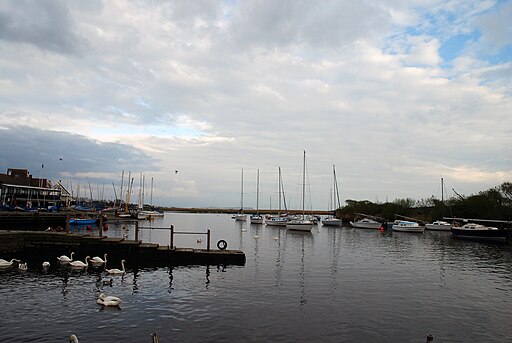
222	244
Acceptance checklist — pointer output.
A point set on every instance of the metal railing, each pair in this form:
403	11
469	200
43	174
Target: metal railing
172	233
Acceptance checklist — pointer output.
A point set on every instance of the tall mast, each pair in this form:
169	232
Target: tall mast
242	193
151	197
336	204
121	193
303	182
258	194
442	194
279	190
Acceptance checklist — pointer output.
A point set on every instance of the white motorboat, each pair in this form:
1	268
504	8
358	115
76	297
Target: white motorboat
407	226
366	223
276	221
439	225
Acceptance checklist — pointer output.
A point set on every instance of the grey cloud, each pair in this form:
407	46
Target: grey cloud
28	148
318	24
46	24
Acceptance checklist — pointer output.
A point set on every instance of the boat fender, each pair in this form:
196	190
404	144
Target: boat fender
222	244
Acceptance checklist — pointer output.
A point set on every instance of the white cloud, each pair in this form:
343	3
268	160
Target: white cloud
210	87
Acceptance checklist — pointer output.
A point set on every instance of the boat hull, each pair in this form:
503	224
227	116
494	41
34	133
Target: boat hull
482	235
240	217
413	229
332	222
256	220
438	227
360	225
299	225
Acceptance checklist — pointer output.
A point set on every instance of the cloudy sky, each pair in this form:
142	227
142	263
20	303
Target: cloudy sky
396	94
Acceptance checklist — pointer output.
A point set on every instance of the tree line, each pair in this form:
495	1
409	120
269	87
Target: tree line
494	203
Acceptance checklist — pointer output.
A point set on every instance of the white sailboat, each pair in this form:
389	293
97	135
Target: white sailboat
332	220
241	216
152	213
301	224
257	218
439	225
279	219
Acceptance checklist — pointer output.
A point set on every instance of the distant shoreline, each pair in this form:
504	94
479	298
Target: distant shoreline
233	210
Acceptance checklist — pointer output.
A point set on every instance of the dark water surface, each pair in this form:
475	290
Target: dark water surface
331	285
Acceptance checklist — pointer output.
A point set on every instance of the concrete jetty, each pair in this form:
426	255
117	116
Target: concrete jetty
46	246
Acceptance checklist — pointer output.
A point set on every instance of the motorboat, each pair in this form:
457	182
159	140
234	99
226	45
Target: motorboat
276	221
407	226
481	232
366	223
439	225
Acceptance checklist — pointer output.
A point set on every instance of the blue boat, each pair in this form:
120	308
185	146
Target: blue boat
79	221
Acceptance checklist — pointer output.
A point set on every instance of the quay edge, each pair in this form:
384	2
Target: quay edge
39	246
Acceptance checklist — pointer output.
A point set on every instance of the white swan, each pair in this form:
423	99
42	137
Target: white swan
46	264
4	263
73	339
79	264
97	261
115	270
23	266
65	259
108	300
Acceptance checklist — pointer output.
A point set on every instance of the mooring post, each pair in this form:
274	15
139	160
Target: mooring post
208	235
101	226
171	238
136	230
67	222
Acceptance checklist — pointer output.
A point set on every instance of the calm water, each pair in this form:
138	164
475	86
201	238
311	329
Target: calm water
331	285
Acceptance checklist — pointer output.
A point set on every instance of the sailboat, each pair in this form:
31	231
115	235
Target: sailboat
257	218
241	216
152	213
439	225
332	220
280	219
301	224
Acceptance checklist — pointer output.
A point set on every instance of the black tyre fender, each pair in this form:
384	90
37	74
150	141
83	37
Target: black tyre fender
222	244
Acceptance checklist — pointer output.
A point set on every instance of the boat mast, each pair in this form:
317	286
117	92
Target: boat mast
279	191
242	193
303	182
338	204
121	193
258	194
442	193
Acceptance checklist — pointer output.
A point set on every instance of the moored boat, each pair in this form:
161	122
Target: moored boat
82	221
332	221
302	224
438	225
481	232
407	226
366	223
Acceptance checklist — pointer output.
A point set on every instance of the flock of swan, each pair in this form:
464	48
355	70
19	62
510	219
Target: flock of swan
96	261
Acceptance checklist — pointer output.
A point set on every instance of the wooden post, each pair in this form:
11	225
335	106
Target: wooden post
101	226
171	238
67	223
136	230
208	235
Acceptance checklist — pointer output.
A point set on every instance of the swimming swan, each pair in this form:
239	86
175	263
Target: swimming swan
97	261
65	259
115	270
23	266
46	264
4	263
73	339
79	264
108	300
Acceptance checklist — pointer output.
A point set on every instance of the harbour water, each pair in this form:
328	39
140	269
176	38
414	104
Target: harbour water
330	285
